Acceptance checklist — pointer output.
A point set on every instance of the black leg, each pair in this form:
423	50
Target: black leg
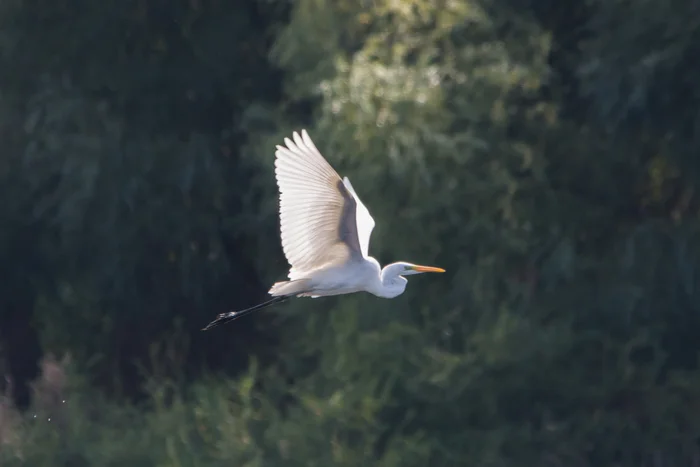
224	318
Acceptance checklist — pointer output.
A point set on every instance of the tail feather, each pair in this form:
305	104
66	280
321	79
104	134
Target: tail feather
294	287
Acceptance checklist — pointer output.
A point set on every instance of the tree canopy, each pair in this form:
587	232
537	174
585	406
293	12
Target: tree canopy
543	153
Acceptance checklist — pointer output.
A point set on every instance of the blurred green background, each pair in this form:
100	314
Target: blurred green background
545	153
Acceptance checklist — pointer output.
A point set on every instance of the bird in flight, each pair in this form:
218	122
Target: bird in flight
325	231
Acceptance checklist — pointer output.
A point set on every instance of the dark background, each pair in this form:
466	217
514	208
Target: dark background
545	153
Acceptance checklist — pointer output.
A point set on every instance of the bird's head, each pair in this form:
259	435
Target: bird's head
393	282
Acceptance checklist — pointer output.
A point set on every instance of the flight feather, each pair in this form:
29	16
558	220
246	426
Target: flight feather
318	210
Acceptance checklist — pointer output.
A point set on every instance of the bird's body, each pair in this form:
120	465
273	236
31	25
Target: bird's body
325	231
335	280
360	276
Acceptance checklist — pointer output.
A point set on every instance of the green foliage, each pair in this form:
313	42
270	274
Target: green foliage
444	131
125	167
140	158
638	72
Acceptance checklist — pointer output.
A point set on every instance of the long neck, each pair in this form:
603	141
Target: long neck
390	284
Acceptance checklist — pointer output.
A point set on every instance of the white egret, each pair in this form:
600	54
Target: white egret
325	231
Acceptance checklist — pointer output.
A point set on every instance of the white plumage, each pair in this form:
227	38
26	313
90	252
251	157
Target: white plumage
322	221
325	230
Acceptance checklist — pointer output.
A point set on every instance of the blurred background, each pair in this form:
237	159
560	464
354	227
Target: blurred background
544	152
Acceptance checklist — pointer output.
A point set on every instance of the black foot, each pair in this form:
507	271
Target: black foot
221	319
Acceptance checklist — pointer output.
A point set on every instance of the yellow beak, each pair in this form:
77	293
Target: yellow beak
427	269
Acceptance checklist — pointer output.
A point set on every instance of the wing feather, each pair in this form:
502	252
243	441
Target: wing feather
365	222
322	221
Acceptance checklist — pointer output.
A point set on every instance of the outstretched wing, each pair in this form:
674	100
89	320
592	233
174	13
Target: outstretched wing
319	212
364	221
